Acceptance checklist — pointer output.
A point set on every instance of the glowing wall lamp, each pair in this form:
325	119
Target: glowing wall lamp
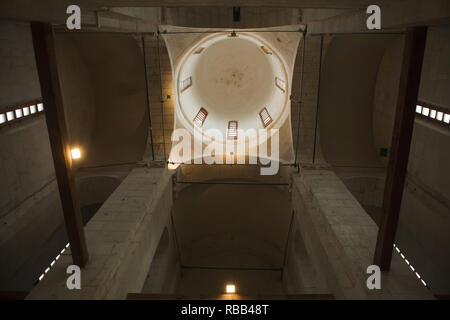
76	153
230	288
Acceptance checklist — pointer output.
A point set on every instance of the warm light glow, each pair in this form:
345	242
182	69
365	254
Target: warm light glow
231	288
76	153
173	166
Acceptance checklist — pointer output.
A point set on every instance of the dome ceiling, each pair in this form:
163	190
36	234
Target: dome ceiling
232	85
233	79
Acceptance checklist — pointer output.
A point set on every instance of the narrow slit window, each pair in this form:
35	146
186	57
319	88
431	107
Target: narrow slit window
433	114
232	130
265	50
265	117
200	117
199	50
447	118
26	111
19	113
419	109
280	84
186	83
10	115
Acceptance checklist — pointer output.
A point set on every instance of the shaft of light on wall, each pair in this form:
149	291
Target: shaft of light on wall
173	166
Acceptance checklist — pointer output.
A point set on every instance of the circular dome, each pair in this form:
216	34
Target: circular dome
233	79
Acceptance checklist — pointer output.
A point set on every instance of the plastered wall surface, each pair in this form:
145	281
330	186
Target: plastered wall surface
28	191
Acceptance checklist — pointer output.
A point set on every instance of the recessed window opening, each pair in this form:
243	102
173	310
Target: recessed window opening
236	14
410	265
232	130
19	112
53	263
433	114
280	84
200	117
186	83
26	111
447	118
265	117
10	115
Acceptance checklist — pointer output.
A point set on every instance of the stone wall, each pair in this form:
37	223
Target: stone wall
104	98
435	79
122	239
30	209
164	272
222	17
348	80
424	217
424	226
340	239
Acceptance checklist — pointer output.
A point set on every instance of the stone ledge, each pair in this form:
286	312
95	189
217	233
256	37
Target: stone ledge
342	238
122	238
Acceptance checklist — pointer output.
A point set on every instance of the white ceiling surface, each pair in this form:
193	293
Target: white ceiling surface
233	79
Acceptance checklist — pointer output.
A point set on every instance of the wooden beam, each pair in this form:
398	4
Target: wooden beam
414	47
44	48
